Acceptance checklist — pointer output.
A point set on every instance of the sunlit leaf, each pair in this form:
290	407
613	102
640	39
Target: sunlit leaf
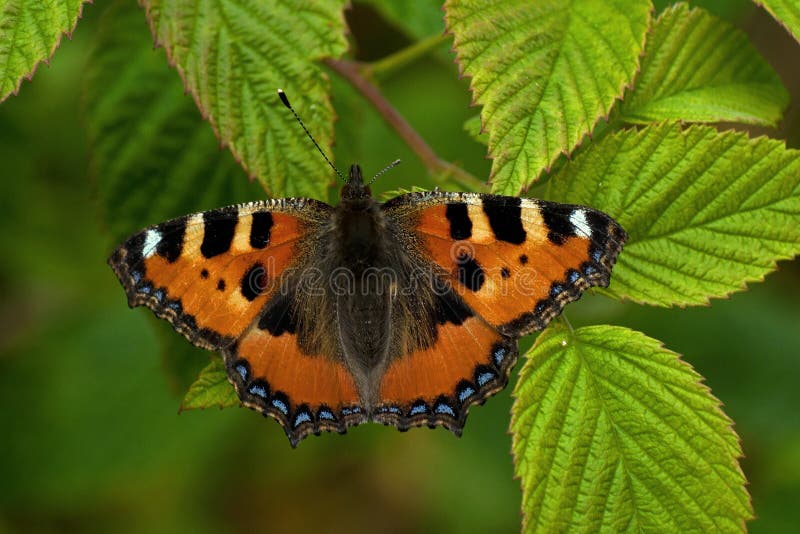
211	389
544	72
30	32
699	68
611	431
233	56
706	212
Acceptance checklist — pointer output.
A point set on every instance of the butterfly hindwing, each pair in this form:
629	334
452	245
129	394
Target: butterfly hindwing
468	362
305	393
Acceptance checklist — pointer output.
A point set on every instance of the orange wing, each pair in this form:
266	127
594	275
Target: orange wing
515	261
306	393
436	386
209	274
510	266
216	277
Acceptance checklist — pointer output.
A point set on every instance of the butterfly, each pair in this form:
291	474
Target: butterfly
404	313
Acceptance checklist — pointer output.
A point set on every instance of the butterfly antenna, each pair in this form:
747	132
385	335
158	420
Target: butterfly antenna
286	103
392	165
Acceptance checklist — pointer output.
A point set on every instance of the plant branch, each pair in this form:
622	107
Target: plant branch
382	68
352	72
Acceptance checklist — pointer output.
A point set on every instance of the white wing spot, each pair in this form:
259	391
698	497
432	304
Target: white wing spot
151	241
578	220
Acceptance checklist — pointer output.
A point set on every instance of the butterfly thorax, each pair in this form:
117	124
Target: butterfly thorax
362	281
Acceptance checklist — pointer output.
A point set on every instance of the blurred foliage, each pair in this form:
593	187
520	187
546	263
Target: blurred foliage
91	437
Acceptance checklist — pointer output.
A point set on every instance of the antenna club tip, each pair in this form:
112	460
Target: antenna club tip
284	99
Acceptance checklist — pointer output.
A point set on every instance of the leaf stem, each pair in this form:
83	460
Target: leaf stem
383	68
352	71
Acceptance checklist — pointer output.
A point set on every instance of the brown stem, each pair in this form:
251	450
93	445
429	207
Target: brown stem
352	72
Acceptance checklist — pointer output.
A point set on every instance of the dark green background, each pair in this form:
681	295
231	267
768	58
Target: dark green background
91	439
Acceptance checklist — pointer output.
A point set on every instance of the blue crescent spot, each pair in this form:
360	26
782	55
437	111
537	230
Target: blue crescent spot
258	390
596	255
573	277
465	393
279	404
589	270
418	409
145	289
159	295
483	378
325	414
136	275
175	305
302	417
556	290
499	355
444	408
242	370
348	411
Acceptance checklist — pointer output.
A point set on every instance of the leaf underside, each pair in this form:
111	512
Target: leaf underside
706	212
30	32
544	72
233	56
614	431
699	68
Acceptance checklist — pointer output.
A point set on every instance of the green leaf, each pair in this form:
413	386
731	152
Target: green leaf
211	389
787	12
699	68
544	72
153	156
611	431
707	212
233	55
30	32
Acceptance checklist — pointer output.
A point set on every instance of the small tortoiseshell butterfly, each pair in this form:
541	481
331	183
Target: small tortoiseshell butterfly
405	313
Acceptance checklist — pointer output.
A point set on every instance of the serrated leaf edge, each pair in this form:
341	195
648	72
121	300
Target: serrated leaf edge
29	76
626	86
658	345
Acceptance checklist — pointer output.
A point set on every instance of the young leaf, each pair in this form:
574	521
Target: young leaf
545	72
211	389
153	156
233	56
698	68
611	431
707	212
30	32
787	12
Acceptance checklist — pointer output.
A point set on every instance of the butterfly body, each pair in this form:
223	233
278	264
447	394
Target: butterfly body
404	313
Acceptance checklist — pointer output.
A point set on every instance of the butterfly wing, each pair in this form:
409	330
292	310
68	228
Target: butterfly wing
514	264
216	277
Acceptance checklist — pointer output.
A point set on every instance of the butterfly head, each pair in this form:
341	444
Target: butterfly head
355	189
